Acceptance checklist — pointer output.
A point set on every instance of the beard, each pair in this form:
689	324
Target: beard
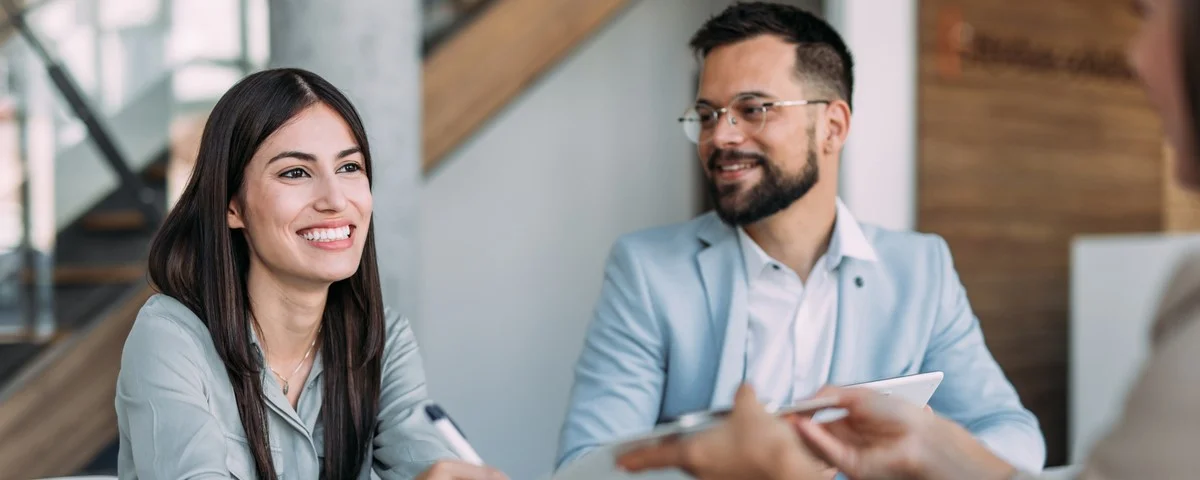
775	191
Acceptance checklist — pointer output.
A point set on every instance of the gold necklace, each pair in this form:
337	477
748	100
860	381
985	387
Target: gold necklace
298	365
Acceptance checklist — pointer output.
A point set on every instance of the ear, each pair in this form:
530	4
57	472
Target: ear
233	216
837	126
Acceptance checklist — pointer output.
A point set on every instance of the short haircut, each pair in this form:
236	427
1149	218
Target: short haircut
822	59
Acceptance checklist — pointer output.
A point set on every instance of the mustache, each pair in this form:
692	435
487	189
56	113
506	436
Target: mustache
729	155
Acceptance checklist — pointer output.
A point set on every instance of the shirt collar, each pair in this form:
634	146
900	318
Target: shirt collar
847	240
317	367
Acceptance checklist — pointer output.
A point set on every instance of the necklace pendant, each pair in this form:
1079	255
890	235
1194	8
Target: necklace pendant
285	387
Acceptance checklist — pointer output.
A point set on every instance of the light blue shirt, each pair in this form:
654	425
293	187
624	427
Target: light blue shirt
178	418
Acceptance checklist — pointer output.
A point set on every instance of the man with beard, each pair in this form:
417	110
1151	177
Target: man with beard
780	287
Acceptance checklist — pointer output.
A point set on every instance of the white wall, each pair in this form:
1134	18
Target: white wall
878	176
515	227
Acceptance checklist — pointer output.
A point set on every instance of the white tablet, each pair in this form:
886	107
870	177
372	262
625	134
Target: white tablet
695	422
916	389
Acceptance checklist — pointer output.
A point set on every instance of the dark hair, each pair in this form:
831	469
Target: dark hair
197	259
1190	41
821	56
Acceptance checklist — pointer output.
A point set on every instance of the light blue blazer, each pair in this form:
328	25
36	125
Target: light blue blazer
669	336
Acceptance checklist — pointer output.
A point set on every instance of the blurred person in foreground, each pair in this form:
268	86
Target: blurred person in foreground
1155	437
780	287
269	353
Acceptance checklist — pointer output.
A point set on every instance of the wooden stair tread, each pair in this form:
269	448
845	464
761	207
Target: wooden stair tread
465	83
66	275
115	220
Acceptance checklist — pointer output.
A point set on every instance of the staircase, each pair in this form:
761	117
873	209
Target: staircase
79	289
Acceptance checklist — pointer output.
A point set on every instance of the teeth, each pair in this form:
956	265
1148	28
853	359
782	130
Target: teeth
735	167
327	234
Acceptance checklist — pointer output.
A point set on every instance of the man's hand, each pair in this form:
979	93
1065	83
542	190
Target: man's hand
751	445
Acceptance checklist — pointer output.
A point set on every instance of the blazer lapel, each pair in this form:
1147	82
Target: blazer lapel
865	298
723	274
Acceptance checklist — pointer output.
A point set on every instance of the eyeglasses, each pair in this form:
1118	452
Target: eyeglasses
748	113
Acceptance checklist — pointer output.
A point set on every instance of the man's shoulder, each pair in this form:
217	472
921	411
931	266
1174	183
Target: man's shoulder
907	246
675	239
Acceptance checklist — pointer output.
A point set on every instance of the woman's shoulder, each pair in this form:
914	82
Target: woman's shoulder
164	324
395	324
168	349
397	332
393	318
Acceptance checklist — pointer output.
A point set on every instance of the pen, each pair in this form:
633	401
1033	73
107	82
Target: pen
445	425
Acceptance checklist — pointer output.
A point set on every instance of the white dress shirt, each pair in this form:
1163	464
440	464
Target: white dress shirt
789	339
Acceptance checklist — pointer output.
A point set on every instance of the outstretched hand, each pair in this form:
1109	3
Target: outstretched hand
751	445
883	437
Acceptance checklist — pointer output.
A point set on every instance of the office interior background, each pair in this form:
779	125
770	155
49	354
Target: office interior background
515	140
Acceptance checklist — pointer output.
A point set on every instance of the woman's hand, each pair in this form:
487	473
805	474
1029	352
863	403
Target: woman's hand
884	437
751	445
456	470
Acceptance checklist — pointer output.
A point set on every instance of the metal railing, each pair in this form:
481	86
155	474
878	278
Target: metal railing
98	131
94	96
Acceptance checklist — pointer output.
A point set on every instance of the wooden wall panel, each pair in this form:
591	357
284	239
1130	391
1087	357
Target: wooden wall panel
1031	130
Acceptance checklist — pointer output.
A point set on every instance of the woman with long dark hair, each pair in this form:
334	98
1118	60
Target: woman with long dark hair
1157	434
268	353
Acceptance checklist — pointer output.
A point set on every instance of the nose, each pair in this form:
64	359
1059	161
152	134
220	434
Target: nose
330	194
726	132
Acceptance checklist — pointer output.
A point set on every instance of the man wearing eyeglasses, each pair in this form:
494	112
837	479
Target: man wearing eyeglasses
780	287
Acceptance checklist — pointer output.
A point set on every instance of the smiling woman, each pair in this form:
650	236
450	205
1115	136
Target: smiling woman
269	352
300	208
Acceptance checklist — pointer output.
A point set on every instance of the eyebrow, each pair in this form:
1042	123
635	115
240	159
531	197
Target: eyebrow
308	157
751	93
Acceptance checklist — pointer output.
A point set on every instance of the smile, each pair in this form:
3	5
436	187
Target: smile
326	234
734	167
